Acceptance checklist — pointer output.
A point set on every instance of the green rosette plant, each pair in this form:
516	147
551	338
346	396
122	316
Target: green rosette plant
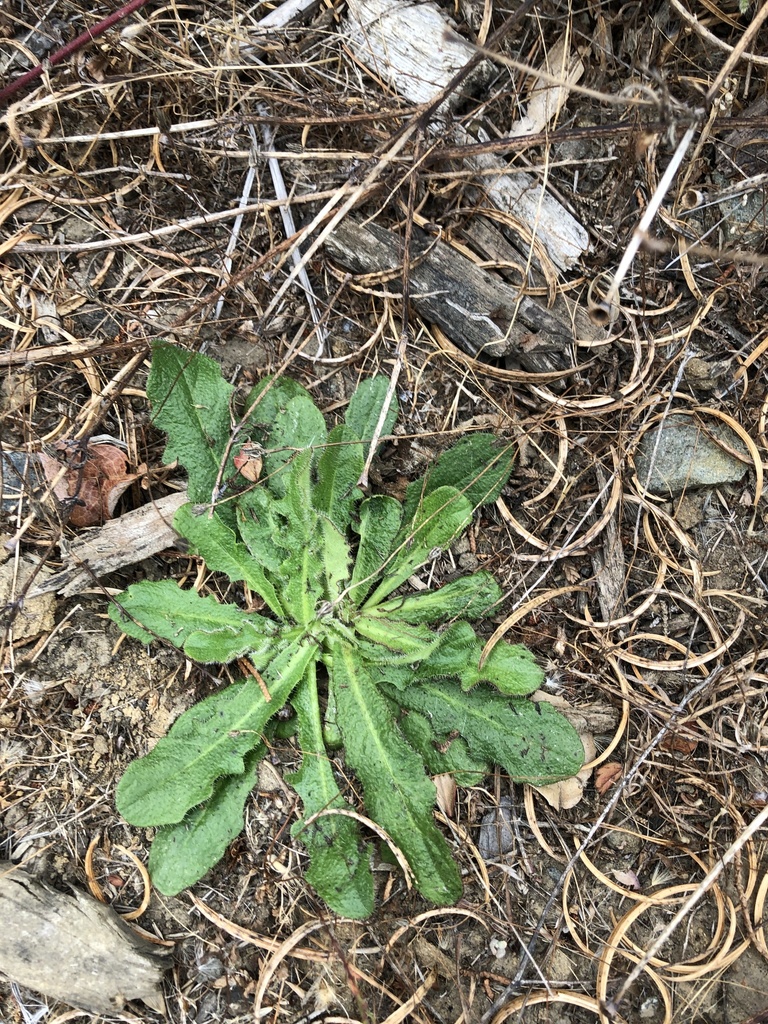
395	679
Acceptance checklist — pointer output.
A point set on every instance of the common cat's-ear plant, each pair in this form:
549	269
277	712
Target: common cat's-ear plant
360	668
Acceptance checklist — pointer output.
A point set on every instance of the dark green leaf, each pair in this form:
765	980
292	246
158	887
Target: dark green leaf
261	527
181	854
443	754
398	795
364	410
214	632
289	422
338	469
470	597
390	636
511	668
478	466
533	742
217	544
191	403
340	862
379	524
206	742
442	516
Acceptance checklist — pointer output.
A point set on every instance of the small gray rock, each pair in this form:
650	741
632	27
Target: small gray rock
680	454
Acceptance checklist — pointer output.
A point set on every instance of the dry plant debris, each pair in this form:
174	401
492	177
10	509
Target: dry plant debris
178	177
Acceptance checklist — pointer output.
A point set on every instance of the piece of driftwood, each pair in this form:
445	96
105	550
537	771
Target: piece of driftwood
416	43
119	542
414	49
73	948
478	311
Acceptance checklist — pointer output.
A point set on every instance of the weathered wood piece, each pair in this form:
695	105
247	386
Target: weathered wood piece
74	949
478	311
119	542
415	50
413	47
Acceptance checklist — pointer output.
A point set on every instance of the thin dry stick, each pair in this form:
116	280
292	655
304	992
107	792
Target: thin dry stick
289	225
641	231
72	47
185	224
235	232
733	851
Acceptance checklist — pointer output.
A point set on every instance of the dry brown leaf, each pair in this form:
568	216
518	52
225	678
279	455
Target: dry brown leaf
606	775
676	744
96	478
445	785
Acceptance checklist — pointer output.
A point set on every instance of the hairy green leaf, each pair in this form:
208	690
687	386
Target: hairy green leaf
532	742
191	403
441	517
340	862
262	528
511	668
443	754
182	853
364	410
338	470
410	643
380	518
470	597
336	560
268	400
206	742
218	545
398	795
293	423
216	632
476	465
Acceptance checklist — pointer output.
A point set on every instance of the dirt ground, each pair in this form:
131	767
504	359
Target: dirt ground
140	200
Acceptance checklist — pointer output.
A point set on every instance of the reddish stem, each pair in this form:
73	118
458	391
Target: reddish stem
71	47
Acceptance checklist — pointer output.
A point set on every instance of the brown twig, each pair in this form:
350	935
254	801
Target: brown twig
72	47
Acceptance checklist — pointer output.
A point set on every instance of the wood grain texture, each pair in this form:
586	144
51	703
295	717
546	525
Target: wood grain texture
74	949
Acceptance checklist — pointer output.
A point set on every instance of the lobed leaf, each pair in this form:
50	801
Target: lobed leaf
206	742
191	402
511	668
398	795
534	743
339	860
182	853
443	754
